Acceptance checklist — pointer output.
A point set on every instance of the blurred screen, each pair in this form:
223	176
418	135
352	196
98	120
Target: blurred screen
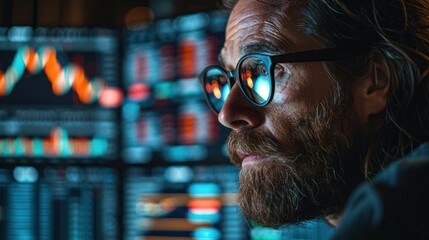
59	94
58	203
180	202
165	116
59	126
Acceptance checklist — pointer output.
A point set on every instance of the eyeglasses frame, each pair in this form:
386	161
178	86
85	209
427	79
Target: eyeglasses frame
270	61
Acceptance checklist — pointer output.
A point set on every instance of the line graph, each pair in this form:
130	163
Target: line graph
63	79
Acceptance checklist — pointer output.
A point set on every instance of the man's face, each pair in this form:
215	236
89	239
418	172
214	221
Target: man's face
289	151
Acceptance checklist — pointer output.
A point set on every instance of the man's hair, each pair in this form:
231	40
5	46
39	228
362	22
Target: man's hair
229	4
397	33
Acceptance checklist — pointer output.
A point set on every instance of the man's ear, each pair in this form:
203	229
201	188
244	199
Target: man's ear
370	93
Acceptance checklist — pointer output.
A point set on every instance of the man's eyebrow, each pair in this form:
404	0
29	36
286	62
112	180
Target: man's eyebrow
258	48
252	48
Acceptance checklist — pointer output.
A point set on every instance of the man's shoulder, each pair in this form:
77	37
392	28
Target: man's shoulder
421	153
392	206
410	172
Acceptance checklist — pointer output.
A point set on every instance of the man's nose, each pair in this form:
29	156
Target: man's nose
238	113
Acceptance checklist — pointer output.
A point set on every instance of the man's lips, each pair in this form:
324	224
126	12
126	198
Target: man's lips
247	159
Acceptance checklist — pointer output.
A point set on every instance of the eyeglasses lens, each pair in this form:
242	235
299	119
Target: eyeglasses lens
255	80
216	87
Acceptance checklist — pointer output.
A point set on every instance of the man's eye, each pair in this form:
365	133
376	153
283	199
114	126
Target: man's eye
263	70
281	73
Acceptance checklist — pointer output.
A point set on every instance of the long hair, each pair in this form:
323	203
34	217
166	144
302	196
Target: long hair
397	32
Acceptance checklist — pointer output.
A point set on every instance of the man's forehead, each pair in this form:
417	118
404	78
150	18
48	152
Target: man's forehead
254	27
270	45
271	3
253	47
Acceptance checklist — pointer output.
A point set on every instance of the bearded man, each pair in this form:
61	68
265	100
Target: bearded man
324	96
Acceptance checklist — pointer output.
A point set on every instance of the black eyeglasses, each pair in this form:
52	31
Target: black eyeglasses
256	76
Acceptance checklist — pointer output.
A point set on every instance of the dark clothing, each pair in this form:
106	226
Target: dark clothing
395	205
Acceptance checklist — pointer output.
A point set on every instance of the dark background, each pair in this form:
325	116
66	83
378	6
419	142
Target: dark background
95	13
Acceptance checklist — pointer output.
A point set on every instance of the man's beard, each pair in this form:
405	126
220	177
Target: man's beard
295	185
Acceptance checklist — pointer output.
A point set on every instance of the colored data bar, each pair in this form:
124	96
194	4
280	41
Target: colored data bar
205	208
58	144
62	78
156	205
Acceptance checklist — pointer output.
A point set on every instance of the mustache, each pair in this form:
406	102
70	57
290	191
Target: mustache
258	144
